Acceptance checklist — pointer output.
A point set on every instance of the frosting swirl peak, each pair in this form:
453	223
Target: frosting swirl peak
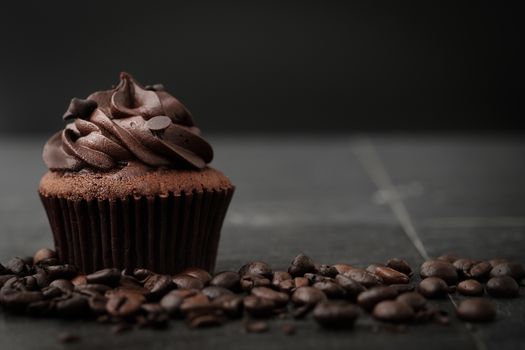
127	124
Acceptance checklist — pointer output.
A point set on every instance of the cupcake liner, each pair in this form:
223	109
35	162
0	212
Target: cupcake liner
164	233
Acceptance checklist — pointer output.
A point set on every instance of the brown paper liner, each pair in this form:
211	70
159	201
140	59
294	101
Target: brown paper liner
165	233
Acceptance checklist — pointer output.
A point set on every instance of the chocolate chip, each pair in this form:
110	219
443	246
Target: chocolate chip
158	123
79	108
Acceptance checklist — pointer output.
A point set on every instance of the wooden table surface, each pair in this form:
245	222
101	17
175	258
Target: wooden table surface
356	199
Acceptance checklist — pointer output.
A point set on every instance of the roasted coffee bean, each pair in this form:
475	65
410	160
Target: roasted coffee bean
300	265
120	327
511	269
152	320
363	277
502	287
391	276
72	305
250	281
41	279
314	278
124	304
496	261
342	268
369	298
258	307
403	288
227	279
17	266
92	288
40	308
308	296
230	304
351	287
372	268
141	274
336	314
400	265
29	282
278	298
300	312
433	287
109	277
65	271
448	258
328	271
5	278
51	292
480	270
158	285
152	308
415	300
79	108
463	266
205	320
256	268
393	311
280	276
441	269
301	282
43	254
200	274
64	285
79	280
172	301
331	289
196	303
97	304
470	287
187	282
18	300
287	286
288	329
476	310
213	292
256	326
68	337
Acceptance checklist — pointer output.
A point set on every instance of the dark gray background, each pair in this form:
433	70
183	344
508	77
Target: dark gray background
273	66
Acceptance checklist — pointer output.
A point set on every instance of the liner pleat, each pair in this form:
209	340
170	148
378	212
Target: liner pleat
163	233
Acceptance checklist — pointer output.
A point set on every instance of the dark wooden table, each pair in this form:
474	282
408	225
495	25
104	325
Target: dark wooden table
338	199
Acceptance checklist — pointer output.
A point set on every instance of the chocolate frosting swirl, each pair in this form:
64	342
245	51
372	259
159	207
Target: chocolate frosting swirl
129	124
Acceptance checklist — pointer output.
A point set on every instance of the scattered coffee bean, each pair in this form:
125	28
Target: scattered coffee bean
342	268
61	271
187	282
331	289
351	287
72	306
463	266
64	285
280	276
158	285
403	288
441	269
68	337
480	270
369	298
363	277
390	276
200	274
336	314
230	304
43	254
413	299
124	304
502	287
476	310
79	280
300	265
227	279
120	327
250	281
433	287
288	329
172	301
301	282
448	258
205	320
198	303
511	269
470	287
258	307
278	298
110	277
17	266
256	326
213	292
307	296
328	271
393	311
400	265
256	268
496	261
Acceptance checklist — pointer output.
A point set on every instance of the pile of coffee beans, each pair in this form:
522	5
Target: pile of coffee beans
336	295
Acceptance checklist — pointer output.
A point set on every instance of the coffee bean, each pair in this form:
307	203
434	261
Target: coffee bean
372	268
51	292
280	276
301	282
287	286
109	276
336	314
196	303
250	281
68	337
172	301
496	261
470	287
403	288
433	287
79	108
64	285
65	271
158	285
448	258
331	289
213	292
187	282
300	265
256	326
227	279
17	266
342	268
300	312
400	265
463	266
40	308
351	287
152	308
18	300
476	310
92	288
230	304
278	298
328	271
141	274
441	269
256	268
391	276
97	304
511	269
43	254
393	311
480	270
308	296
200	274
158	123
79	280
120	327
72	305
369	298
258	307
124	304
288	329
5	278
363	277
205	320
415	300
502	287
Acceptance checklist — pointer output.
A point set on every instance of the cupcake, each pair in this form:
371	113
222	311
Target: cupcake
129	183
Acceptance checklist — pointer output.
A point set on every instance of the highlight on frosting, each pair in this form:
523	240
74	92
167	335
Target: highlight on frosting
130	123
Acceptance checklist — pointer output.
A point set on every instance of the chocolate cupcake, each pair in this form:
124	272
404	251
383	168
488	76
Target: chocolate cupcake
129	183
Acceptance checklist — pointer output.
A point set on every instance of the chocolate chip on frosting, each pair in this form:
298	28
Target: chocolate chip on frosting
158	123
79	108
